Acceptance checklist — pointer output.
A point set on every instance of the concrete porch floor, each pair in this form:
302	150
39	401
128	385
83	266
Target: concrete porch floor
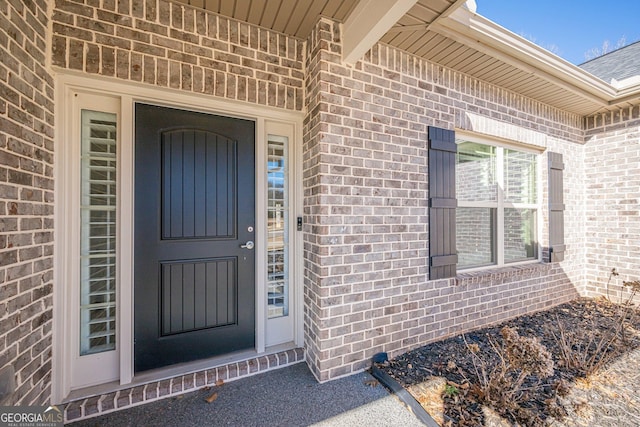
288	396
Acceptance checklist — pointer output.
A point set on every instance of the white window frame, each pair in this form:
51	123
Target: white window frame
80	369
500	204
72	90
281	329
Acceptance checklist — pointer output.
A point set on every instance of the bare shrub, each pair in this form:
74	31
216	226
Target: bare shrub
522	364
585	355
527	354
628	292
588	354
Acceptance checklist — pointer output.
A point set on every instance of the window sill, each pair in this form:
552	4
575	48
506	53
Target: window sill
495	276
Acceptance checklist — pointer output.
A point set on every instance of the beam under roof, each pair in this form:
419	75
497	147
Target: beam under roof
368	22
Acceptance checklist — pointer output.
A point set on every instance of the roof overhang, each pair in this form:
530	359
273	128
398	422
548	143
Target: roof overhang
489	38
474	45
443	32
495	41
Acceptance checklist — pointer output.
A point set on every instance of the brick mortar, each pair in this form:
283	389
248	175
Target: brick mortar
497	275
610	120
248	63
612	156
26	226
499	100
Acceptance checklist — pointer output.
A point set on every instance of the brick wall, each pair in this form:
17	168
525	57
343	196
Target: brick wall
365	164
26	203
366	205
612	170
316	218
171	45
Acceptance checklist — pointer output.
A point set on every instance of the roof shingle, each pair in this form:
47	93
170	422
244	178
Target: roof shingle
619	64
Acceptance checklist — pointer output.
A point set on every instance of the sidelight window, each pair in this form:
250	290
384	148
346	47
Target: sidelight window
98	233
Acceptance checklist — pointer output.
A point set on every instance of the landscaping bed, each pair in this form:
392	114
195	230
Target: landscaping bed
535	370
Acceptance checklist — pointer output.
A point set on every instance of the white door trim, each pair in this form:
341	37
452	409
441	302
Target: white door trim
65	260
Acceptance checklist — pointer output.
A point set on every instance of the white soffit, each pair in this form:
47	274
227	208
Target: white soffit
365	21
575	89
292	17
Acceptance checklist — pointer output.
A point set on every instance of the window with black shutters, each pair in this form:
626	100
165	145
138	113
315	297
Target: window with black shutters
484	204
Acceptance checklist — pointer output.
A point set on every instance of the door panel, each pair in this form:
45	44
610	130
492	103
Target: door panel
194	291
198	295
198	169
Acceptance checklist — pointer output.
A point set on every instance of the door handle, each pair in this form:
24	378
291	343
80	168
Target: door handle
248	245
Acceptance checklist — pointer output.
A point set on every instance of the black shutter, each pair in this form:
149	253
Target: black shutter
442	203
556	208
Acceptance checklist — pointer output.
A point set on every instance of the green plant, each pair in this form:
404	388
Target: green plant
450	390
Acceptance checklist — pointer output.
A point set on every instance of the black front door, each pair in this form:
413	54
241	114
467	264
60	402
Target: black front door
194	210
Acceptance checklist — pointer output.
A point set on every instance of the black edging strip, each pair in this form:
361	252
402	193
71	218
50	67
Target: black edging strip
404	396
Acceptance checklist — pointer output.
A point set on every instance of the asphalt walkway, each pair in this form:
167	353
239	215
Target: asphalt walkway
285	397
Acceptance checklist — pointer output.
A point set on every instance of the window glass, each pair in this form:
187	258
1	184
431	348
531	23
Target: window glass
475	230
497	205
277	228
519	235
476	172
519	177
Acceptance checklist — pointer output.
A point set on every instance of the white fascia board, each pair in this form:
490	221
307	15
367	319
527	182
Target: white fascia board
623	84
627	93
368	22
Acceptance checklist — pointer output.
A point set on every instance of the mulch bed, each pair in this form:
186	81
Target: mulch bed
596	333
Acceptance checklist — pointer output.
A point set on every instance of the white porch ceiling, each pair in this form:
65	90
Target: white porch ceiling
443	32
293	17
297	17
